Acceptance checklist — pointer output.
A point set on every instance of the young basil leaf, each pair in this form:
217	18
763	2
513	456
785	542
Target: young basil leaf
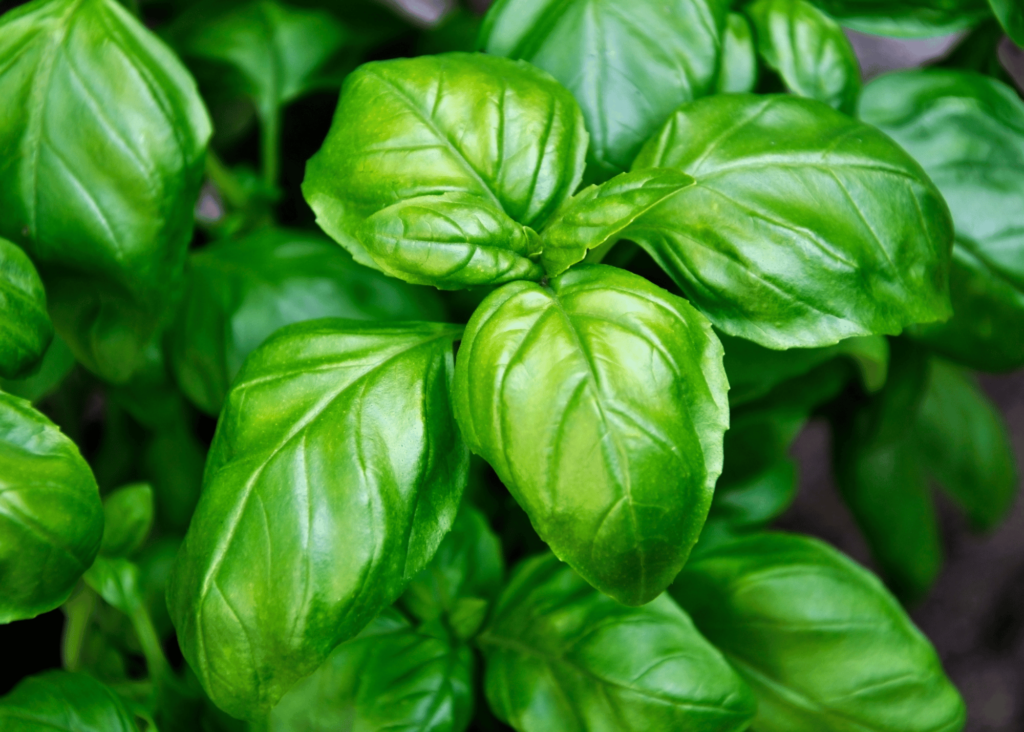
628	67
622	493
239	292
1011	17
737	72
804	228
59	700
424	126
25	327
57	363
391	677
336	470
809	51
906	18
452	241
562	656
823	645
127	519
598	214
967	131
104	204
965	445
51	517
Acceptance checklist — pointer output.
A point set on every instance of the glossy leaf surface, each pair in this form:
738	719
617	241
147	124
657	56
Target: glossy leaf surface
25	327
805	227
335	472
628	66
391	677
808	50
433	124
563	656
906	18
967	131
101	156
239	292
451	241
822	643
737	72
600	400
598	214
51	517
127	519
58	700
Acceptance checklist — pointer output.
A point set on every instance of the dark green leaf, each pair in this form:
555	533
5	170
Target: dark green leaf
598	214
172	462
737	72
805	227
967	130
25	327
64	702
808	50
392	677
628	66
51	517
102	156
336	470
561	656
239	292
756	500
906	18
825	647
600	400
451	241
1011	16
462	123
58	361
127	519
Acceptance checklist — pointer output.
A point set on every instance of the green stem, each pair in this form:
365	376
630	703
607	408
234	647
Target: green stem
222	177
270	144
156	661
79	612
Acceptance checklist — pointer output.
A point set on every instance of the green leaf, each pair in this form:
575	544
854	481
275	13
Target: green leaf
57	363
906	18
58	700
1011	17
598	215
808	50
429	125
392	677
561	656
628	66
823	645
102	159
805	227
451	241
127	519
239	292
51	517
737	72
964	444
967	131
600	400
336	470
172	462
25	327
758	499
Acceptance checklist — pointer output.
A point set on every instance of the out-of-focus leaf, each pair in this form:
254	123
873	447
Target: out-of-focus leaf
737	73
127	519
906	18
58	700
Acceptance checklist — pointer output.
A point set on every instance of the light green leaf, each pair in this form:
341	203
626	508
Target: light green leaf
25	327
823	645
561	656
906	18
64	702
600	400
805	227
51	517
737	72
335	472
103	147
127	519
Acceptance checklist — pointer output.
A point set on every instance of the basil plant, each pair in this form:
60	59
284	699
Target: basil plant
472	408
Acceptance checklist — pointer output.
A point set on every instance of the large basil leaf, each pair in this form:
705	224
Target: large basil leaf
965	445
1011	16
600	400
562	656
805	227
737	72
239	292
907	18
336	470
58	700
51	517
101	156
824	646
451	241
391	677
463	123
809	51
25	327
967	130
628	66
598	214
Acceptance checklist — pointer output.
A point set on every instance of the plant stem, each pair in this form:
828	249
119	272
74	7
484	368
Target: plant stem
270	146
79	612
156	661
